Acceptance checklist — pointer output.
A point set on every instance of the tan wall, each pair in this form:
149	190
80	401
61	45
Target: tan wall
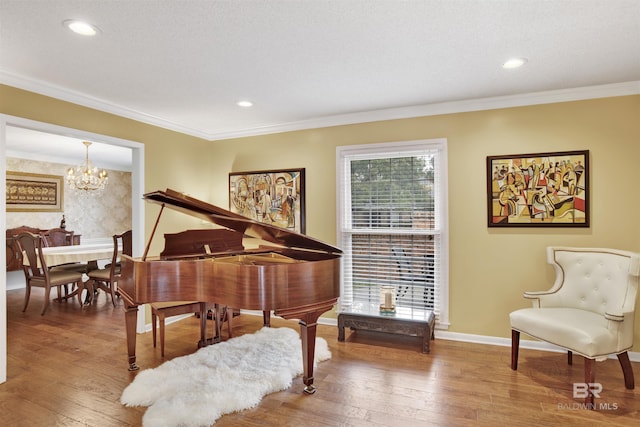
489	268
171	159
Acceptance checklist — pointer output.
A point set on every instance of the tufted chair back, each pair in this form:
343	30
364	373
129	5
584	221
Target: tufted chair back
589	309
597	280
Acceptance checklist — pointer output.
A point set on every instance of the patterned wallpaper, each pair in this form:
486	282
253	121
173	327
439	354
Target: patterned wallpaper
92	217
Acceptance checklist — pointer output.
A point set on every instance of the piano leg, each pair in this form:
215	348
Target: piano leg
308	320
308	336
131	319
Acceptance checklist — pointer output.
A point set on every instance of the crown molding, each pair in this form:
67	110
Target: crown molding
509	101
481	104
64	94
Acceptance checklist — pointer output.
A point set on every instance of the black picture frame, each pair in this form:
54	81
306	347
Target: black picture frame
283	190
539	190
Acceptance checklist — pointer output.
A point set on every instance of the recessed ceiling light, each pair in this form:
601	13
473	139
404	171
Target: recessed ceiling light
80	27
245	104
514	63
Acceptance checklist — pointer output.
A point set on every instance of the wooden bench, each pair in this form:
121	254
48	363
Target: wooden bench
417	323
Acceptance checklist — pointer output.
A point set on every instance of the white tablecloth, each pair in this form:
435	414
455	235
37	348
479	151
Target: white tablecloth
78	253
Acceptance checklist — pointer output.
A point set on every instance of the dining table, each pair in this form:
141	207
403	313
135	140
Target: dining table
83	253
86	253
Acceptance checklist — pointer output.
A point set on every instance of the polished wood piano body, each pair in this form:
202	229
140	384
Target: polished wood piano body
295	276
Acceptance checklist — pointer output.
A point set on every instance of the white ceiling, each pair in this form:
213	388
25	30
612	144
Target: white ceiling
183	65
35	145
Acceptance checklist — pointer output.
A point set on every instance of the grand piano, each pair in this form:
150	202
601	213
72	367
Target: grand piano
293	275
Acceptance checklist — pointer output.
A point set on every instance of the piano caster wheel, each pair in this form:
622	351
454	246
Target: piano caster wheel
310	389
133	367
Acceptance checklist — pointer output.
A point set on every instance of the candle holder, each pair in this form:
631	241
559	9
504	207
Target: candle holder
387	299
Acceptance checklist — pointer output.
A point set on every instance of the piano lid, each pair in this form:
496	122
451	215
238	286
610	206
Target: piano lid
203	210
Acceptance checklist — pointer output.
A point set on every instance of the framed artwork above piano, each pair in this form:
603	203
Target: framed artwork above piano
274	197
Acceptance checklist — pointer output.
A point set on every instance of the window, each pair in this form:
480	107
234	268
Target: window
392	224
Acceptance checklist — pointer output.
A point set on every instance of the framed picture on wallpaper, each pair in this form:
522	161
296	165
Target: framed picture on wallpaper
32	192
538	190
273	197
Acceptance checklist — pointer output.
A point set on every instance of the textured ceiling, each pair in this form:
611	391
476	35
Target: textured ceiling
46	147
184	64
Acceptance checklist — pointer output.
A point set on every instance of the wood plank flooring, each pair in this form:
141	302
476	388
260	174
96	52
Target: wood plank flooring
68	368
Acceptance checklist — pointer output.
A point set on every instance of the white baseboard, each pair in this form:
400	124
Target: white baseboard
489	340
148	327
443	335
506	342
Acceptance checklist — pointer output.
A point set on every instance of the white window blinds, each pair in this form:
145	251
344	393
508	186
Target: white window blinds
392	224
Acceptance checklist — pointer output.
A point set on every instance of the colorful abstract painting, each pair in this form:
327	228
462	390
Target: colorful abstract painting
270	197
545	189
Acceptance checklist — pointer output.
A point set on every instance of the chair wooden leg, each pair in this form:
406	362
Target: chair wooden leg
113	294
515	344
47	297
627	371
81	286
569	357
27	295
91	289
161	319
589	378
266	318
154	327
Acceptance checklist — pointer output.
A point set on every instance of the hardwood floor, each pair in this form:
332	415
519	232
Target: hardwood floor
69	368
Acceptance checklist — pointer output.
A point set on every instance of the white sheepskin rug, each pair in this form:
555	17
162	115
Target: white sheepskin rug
230	376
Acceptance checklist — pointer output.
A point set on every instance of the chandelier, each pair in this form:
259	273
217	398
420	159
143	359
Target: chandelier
87	177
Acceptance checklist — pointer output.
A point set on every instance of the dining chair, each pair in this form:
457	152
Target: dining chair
161	310
107	278
37	274
58	237
589	310
62	237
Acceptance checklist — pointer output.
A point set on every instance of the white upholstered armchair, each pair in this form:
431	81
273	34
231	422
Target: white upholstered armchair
588	311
